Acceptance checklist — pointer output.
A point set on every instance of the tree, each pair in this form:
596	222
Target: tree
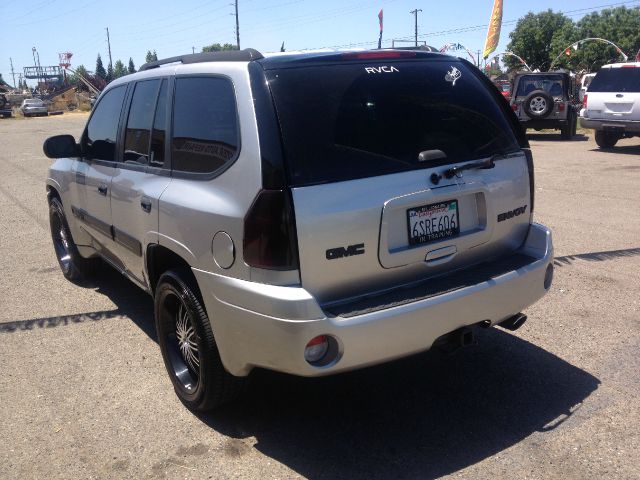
151	57
216	47
75	78
132	67
110	76
618	25
119	70
533	37
100	71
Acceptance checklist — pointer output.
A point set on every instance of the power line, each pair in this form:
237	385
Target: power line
569	13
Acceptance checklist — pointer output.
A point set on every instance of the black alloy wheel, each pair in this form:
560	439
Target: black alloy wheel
74	267
188	346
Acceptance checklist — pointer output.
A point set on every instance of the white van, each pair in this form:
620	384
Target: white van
584	84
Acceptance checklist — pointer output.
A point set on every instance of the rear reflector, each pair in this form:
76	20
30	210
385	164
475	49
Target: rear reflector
514	107
378	54
316	349
270	239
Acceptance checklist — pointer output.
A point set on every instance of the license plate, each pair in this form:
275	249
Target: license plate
433	222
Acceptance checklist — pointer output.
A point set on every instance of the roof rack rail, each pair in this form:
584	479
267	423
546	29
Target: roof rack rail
246	55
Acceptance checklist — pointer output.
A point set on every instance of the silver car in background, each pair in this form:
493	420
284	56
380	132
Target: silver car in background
306	213
33	106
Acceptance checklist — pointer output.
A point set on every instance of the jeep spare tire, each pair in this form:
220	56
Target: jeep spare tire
538	104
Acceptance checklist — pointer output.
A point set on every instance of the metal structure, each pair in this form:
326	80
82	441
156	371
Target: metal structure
65	59
449	47
575	46
520	59
81	77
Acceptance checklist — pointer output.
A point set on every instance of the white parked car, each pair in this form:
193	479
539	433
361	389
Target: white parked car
33	106
612	104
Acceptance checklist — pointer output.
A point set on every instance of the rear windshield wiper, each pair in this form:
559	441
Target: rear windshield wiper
484	164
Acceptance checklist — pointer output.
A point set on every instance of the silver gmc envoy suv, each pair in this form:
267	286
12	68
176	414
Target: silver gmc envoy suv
306	213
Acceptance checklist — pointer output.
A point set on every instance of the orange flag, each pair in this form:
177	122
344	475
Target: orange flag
493	34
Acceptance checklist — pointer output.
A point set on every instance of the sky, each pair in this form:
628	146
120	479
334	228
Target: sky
174	28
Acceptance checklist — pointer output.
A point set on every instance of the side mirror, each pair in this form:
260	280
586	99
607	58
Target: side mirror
61	146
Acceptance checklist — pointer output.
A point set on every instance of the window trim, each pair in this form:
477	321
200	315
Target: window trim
129	101
125	100
204	176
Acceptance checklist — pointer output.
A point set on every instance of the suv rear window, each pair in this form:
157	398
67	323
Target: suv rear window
348	121
552	84
616	80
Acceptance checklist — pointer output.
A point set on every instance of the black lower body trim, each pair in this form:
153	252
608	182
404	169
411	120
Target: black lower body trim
92	221
127	241
431	287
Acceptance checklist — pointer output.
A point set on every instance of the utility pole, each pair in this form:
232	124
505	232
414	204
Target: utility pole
478	53
193	49
13	74
415	14
237	26
109	47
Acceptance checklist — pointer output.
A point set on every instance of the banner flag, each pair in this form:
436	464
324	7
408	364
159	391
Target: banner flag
493	34
380	16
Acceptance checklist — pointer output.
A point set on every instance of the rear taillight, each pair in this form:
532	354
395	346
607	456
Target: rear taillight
270	239
560	107
514	107
532	186
584	101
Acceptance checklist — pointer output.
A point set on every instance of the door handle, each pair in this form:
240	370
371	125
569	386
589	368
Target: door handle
145	203
102	189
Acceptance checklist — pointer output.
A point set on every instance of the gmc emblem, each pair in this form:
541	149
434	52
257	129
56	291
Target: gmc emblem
341	252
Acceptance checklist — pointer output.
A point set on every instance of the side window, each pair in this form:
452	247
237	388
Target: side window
158	132
205	125
138	132
99	140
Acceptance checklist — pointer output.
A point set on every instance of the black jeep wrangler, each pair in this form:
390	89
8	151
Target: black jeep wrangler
546	100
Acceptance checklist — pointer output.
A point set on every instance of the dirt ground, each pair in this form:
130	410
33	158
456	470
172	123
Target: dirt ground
84	393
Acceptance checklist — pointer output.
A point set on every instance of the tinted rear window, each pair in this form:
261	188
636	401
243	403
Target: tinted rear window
616	80
342	122
552	84
205	124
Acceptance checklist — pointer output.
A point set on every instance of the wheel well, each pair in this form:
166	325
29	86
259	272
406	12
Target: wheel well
160	259
53	193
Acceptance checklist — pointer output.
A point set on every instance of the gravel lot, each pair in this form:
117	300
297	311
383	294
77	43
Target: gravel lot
84	393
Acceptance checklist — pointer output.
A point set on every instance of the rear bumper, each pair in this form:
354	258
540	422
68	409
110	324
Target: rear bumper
267	326
625	126
545	123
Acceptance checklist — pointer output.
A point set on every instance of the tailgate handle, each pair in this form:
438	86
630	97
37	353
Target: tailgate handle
440	255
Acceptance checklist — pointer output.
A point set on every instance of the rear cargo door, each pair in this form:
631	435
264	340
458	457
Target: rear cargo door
614	94
370	147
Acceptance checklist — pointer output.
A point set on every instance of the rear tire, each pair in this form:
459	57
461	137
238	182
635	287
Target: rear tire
606	140
569	130
74	266
188	346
